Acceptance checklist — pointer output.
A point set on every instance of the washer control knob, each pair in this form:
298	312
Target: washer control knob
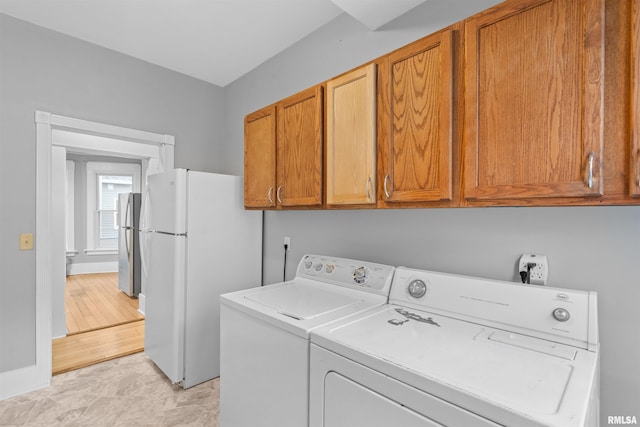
417	289
329	269
360	275
561	315
318	267
308	264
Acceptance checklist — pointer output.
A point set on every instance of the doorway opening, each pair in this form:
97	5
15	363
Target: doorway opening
98	237
55	136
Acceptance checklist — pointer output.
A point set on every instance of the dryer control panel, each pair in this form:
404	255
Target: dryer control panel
349	273
561	315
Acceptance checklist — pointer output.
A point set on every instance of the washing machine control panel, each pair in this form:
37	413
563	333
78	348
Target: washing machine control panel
360	275
347	272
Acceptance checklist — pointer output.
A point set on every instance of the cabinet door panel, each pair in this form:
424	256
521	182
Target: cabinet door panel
533	93
300	149
351	137
260	158
634	169
417	154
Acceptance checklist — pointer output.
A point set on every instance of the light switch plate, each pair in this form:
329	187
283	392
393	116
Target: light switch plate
26	242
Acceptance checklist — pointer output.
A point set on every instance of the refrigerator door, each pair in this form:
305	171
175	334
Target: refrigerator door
129	278
135	273
164	312
125	244
165	202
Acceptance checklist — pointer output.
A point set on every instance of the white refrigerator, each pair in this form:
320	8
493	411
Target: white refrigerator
197	242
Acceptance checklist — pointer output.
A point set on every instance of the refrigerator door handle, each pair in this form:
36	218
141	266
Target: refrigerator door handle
144	237
127	225
126	241
143	210
126	212
170	234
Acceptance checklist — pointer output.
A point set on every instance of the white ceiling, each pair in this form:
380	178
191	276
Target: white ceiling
213	40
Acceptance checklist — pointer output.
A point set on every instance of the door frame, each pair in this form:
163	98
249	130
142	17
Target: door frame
54	136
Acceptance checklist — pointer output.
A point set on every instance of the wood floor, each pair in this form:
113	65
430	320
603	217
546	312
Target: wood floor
88	348
93	301
102	322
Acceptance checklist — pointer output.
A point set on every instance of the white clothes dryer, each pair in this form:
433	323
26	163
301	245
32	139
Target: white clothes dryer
460	351
264	336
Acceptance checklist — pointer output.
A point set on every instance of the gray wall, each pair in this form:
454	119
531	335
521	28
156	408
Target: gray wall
589	248
44	70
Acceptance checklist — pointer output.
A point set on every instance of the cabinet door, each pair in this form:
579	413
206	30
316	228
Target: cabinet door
534	100
300	149
351	137
634	170
416	120
260	158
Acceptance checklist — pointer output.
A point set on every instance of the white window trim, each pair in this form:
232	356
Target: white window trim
93	170
70	209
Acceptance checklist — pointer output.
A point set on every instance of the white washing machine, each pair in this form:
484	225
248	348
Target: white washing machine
264	337
460	351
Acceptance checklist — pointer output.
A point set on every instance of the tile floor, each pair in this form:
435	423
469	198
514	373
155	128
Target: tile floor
130	391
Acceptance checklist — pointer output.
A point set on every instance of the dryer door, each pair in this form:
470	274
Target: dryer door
346	393
348	403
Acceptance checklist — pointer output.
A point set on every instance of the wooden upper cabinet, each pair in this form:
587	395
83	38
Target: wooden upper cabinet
300	135
351	137
534	100
634	169
415	120
260	158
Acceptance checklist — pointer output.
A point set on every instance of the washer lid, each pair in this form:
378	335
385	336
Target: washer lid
303	303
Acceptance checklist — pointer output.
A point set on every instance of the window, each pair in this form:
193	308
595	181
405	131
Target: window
105	181
109	187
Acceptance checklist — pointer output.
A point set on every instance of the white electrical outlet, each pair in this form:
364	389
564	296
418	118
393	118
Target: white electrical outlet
287	242
537	274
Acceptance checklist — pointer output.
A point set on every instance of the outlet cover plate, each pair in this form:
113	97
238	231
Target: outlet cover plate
539	273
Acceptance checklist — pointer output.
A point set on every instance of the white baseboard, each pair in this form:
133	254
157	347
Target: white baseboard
93	267
141	302
23	380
